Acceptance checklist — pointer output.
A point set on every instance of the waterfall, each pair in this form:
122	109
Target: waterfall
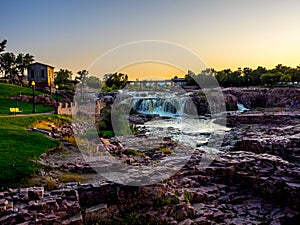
241	107
160	106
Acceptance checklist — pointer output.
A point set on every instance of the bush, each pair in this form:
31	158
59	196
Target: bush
106	134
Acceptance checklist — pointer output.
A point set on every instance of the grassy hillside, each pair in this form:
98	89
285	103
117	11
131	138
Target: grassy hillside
8	90
19	147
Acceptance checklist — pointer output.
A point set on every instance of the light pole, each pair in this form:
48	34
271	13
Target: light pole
56	90
33	96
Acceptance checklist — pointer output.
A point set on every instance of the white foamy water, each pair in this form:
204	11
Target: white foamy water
194	132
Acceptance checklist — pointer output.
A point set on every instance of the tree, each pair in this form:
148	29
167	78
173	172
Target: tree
82	76
116	81
3	45
62	77
8	65
223	77
256	74
247	76
22	62
190	78
93	82
205	78
286	78
271	78
295	74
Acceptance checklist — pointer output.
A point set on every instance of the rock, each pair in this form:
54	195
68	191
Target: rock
3	202
187	222
35	193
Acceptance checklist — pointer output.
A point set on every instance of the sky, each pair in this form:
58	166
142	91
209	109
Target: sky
74	34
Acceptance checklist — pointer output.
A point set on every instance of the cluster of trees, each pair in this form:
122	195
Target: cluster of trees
110	82
247	76
13	66
63	78
114	81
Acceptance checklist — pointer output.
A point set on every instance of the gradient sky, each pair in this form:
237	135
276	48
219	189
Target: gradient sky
71	34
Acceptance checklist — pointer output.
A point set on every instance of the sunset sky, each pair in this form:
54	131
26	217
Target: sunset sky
72	34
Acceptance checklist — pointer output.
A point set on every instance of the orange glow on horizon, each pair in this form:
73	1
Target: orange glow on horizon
151	71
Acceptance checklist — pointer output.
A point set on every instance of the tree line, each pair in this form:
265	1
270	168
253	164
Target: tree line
247	76
110	82
13	67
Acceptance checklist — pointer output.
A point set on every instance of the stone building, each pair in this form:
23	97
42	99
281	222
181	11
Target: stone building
41	74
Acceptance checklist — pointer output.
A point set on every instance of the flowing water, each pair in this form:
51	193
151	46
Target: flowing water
194	132
241	107
177	117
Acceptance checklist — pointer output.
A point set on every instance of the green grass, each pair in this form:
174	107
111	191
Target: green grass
20	148
8	90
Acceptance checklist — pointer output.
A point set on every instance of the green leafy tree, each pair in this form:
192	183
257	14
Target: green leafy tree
271	78
115	81
14	66
280	69
256	74
295	74
286	78
63	77
22	62
8	65
224	78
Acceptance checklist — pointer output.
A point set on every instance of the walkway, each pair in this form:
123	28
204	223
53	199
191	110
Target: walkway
32	114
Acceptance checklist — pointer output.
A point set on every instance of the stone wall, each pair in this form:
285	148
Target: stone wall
66	108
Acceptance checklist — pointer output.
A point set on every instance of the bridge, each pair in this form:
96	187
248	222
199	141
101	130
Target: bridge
155	84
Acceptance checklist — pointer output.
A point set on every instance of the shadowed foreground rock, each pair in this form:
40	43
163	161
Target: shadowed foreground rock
238	188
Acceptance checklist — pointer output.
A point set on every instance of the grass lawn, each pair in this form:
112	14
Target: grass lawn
8	90
19	147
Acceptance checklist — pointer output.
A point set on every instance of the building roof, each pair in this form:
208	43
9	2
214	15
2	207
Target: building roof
43	64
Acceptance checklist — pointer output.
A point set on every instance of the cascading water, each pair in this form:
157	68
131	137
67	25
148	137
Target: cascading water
162	107
183	124
241	107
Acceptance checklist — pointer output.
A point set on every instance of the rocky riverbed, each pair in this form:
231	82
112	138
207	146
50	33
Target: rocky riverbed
255	179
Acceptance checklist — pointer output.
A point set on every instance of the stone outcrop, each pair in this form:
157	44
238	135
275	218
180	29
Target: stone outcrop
203	107
264	97
35	206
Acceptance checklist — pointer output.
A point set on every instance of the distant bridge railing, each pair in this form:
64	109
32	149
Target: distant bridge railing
152	85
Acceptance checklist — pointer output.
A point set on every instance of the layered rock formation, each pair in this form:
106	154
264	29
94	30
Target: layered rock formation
255	179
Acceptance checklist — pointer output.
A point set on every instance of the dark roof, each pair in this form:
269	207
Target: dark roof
43	64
